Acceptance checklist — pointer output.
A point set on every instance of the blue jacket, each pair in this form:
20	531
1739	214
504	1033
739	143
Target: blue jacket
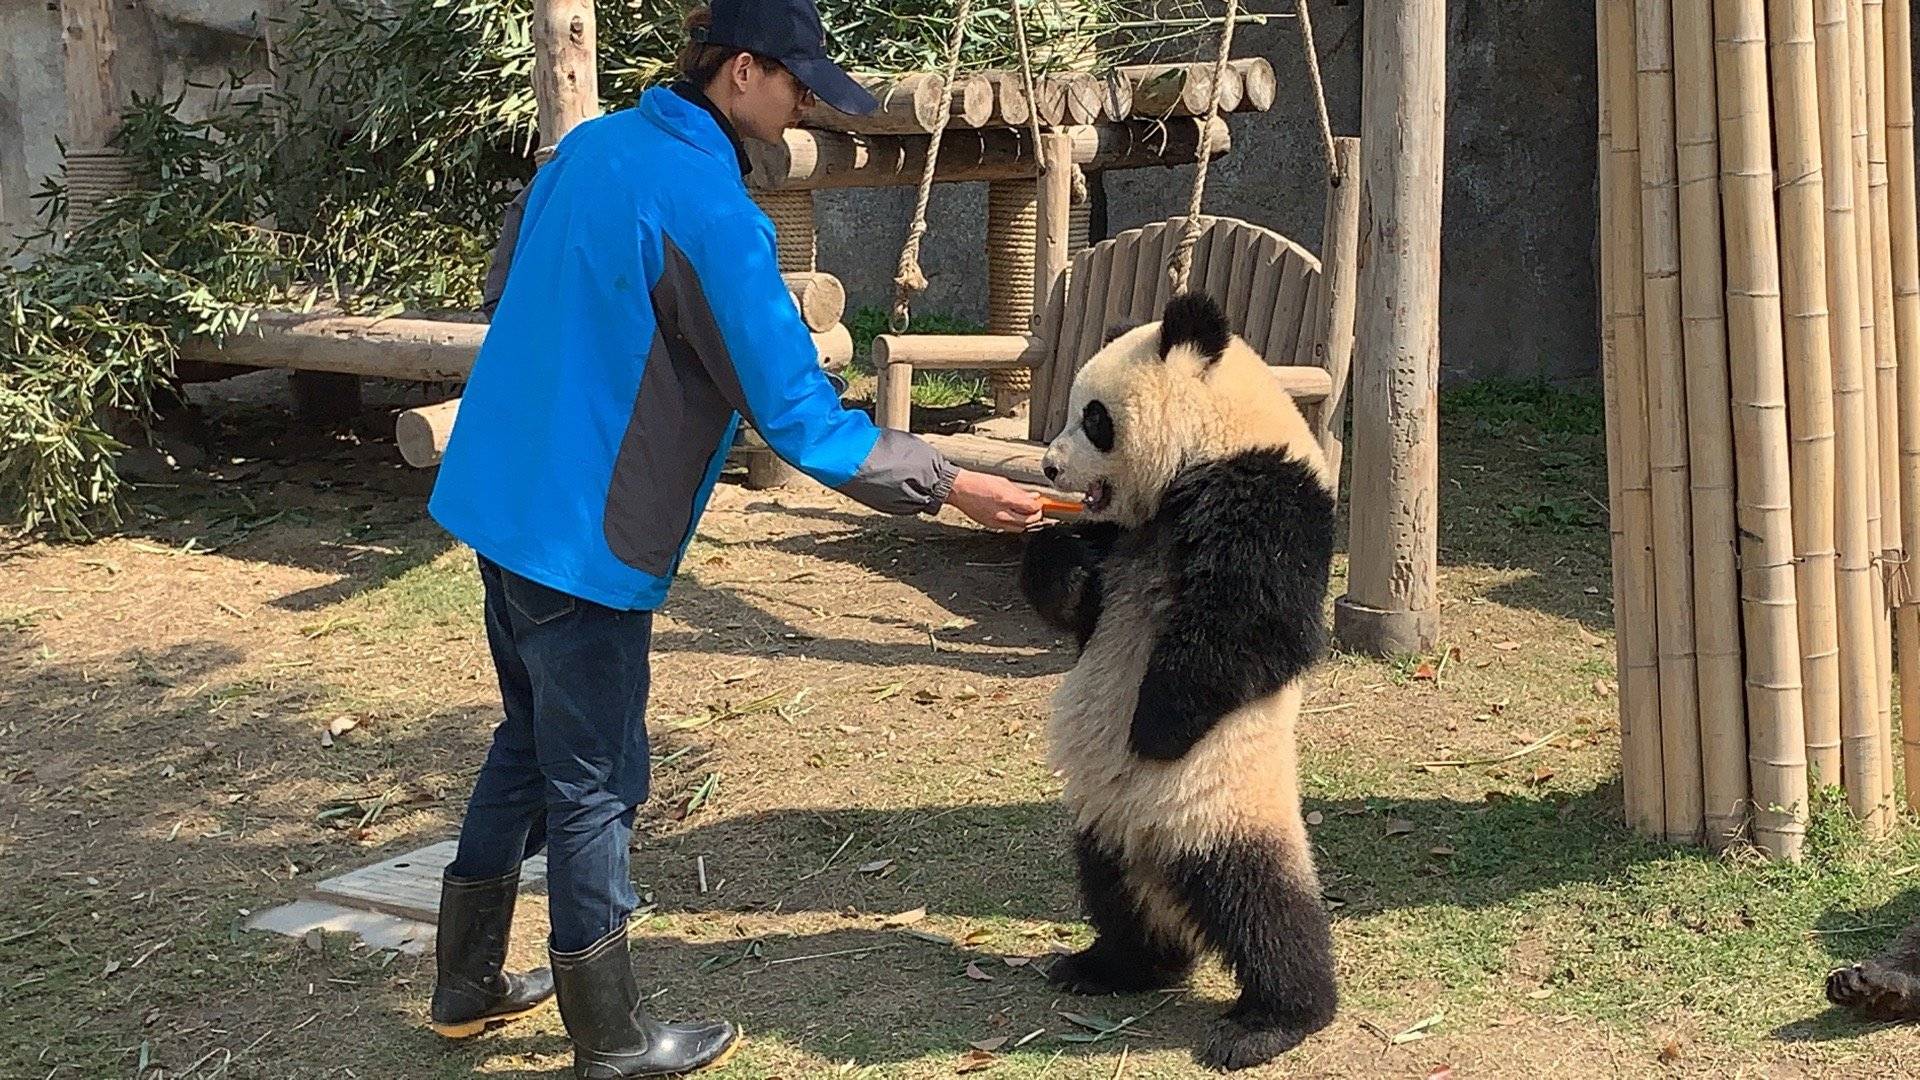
643	314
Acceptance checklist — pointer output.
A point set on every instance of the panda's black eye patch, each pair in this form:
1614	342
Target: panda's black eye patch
1098	424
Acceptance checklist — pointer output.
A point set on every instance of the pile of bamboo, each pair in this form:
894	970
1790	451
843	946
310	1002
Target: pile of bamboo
1761	292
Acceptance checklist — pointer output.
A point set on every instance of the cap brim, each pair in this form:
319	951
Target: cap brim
833	86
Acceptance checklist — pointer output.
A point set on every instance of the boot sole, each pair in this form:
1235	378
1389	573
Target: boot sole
469	1028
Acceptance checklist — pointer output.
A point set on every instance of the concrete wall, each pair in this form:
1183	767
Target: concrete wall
1517	295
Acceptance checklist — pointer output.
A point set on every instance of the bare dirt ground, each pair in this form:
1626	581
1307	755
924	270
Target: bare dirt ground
848	720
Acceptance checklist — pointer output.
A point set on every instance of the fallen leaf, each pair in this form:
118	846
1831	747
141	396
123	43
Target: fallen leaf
904	918
1541	775
1440	1072
1316	818
1591	590
1442	850
340	725
1506	646
974	973
1425	671
1016	961
990	1045
112	966
975	937
875	866
1541	994
1590	637
1418	1030
1399	826
973	1061
1602	688
1670	1053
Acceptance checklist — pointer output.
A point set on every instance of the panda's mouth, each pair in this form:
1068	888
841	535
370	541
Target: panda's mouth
1098	497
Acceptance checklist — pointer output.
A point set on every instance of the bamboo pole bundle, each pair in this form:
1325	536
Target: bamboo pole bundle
1610	189
1777	740
1858	643
1716	586
1666	392
1634	605
1905	260
1803	283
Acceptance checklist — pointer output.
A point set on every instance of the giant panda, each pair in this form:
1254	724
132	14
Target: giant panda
1193	586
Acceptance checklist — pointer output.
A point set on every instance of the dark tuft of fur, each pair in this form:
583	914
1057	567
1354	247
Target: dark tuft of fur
1114	330
1194	319
1250	546
1268	924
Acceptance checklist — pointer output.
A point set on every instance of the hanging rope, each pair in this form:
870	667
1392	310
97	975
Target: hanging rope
1319	93
1033	95
1181	262
909	279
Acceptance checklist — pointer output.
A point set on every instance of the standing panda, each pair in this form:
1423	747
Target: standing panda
1194	589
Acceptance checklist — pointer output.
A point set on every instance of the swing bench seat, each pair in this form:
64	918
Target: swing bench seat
1273	290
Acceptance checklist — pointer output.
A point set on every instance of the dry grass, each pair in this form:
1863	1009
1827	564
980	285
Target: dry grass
859	703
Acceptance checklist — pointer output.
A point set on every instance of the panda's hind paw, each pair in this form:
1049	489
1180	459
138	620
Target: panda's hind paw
1876	992
1097	971
1233	1045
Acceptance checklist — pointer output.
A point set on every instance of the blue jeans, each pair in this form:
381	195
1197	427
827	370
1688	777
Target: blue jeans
569	763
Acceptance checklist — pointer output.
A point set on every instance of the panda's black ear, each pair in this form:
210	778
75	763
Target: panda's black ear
1114	330
1194	319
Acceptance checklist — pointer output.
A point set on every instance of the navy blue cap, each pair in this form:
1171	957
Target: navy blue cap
789	31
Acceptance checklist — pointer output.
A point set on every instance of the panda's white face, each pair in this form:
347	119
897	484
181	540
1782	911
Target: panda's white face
1158	398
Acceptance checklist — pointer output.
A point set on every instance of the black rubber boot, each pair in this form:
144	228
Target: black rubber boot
613	1037
470	991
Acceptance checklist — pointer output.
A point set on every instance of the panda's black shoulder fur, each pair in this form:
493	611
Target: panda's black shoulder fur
1247	546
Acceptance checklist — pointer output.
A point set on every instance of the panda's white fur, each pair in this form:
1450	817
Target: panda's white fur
1195	591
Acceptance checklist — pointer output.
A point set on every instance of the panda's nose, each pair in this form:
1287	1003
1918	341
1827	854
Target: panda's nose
1052	471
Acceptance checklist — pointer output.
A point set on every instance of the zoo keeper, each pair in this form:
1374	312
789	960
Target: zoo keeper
643	315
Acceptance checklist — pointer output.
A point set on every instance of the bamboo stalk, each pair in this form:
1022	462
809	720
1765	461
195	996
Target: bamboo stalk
1609	277
1803	285
1886	392
1635	605
1716	585
1905	258
1667	424
1859	767
1777	740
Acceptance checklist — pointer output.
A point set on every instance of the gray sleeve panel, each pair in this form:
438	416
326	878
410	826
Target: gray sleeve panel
902	474
496	283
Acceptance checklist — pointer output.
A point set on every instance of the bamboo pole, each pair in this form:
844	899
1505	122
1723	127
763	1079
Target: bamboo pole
1392	602
1906	319
1777	741
1634	606
1860	772
1716	584
1666	389
1886	389
1803	285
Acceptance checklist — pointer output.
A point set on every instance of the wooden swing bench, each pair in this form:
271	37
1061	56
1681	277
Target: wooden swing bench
1279	297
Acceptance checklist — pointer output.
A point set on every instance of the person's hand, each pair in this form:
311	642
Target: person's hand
994	501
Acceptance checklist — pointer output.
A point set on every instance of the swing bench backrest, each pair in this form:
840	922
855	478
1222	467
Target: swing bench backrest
1271	288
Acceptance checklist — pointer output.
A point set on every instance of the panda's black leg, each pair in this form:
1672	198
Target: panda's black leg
1128	954
1885	987
1256	901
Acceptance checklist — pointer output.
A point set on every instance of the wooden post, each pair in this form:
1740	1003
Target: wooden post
1340	265
565	82
1392	604
1777	755
1052	213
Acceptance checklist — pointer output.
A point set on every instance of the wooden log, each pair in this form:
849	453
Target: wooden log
1163	90
1011	106
1392	602
1905	258
1860	771
1340	269
565	85
1808	338
821	298
1671	473
1230	89
1260	86
971	101
1050	100
820	159
1053	215
1777	759
1085	97
1634	605
909	105
961	352
94	94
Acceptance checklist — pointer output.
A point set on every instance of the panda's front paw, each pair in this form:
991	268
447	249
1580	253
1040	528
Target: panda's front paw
1875	992
1230	1046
